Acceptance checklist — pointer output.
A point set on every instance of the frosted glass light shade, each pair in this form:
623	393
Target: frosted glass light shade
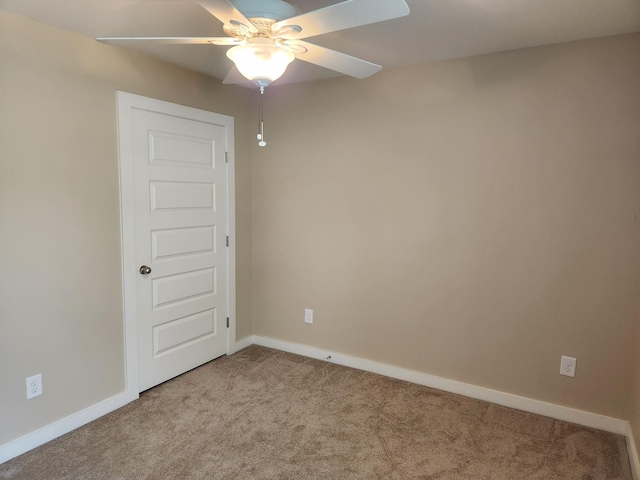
262	63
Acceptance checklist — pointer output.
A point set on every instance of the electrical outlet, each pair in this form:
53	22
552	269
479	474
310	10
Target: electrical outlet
308	315
34	386
568	366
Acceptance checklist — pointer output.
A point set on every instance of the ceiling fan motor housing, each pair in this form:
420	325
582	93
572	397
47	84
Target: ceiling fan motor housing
276	10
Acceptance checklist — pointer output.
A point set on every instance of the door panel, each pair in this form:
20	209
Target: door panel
179	195
183	287
175	333
167	149
182	241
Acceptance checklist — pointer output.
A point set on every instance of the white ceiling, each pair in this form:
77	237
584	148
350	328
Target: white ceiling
434	30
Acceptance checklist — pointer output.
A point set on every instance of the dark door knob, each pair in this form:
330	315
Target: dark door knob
144	270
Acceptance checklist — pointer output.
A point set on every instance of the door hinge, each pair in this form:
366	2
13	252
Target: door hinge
226	157
227	322
227	240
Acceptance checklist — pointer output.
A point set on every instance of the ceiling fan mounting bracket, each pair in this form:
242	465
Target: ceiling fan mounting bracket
275	10
262	14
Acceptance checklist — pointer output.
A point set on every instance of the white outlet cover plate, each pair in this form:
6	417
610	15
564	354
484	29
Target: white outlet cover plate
568	366
34	386
308	315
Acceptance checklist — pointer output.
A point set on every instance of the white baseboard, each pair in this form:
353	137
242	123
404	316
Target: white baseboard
45	434
240	344
633	453
559	412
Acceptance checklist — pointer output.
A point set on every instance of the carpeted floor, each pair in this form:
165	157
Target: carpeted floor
265	414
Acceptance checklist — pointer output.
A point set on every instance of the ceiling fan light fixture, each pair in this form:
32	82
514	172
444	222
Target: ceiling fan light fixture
261	60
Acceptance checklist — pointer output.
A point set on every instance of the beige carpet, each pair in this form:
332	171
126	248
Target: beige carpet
264	414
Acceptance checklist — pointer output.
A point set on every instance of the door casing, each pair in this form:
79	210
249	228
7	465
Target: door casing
127	102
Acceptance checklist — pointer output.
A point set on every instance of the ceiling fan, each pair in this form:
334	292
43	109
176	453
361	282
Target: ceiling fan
265	36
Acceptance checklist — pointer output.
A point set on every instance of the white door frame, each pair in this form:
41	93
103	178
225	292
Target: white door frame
126	103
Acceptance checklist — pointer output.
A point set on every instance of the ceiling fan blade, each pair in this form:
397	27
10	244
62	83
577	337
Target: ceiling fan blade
176	40
349	14
333	60
226	41
224	11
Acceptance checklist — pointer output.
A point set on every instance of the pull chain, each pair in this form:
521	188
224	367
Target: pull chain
260	135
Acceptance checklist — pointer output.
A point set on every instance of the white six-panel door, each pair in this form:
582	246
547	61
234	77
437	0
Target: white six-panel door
180	210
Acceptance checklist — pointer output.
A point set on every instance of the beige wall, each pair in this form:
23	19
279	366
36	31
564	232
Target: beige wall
60	273
474	219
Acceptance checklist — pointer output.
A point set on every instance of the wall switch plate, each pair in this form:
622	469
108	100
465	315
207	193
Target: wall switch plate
34	386
568	366
308	315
